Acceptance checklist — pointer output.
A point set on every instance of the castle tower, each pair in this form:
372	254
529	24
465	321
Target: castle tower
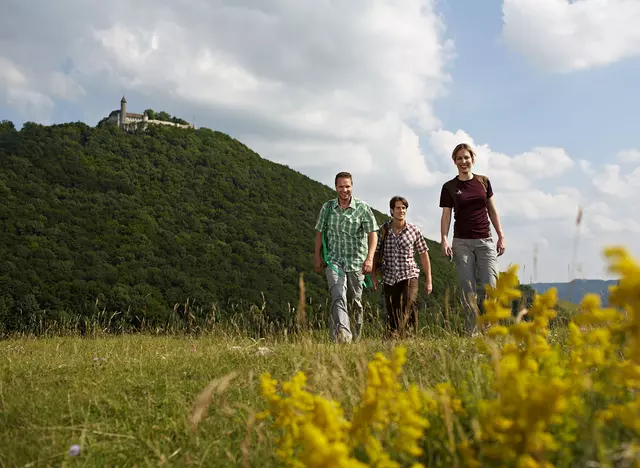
123	112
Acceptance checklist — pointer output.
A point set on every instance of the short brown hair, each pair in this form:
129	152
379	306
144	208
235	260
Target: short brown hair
343	175
397	198
462	146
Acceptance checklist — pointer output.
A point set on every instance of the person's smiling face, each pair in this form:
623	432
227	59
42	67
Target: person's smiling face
343	187
399	212
464	161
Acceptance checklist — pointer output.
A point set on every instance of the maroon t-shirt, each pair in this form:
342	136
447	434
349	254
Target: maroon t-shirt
468	198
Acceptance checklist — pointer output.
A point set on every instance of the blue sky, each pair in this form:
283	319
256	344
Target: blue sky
545	90
499	96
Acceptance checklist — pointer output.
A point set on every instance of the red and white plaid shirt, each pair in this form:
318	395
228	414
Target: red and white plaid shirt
399	251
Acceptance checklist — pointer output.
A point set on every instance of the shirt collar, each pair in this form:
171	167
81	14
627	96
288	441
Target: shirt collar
351	204
404	228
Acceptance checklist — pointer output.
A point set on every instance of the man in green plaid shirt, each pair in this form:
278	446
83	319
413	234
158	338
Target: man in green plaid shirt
351	238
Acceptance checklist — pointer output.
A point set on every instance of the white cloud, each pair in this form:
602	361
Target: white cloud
603	224
586	167
571	192
411	161
629	156
380	58
33	95
20	93
611	180
543	162
598	208
565	36
64	87
310	154
536	205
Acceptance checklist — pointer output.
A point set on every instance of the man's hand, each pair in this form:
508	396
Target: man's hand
428	287
318	265
501	246
446	250
367	266
374	282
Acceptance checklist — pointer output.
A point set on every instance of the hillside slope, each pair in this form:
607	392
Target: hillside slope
98	219
576	289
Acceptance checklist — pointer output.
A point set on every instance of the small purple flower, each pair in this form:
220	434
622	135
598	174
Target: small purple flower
74	450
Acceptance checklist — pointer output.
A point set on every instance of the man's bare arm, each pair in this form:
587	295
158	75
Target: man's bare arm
426	265
367	266
318	244
373	244
317	257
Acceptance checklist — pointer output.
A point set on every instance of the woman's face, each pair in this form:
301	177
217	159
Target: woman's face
464	161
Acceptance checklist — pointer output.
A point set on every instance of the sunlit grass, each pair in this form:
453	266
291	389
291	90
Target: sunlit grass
128	400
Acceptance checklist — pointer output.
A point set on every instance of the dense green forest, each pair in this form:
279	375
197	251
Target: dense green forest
164	116
99	220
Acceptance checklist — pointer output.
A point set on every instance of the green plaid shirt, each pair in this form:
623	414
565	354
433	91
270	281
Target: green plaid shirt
347	232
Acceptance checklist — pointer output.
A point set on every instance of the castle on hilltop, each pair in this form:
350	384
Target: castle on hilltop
128	120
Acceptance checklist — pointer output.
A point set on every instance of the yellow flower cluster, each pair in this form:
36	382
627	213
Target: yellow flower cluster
540	395
530	385
605	345
316	434
386	406
314	429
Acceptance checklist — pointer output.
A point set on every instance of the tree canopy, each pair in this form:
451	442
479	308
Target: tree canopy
165	117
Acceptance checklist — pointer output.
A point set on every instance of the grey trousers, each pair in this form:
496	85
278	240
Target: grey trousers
473	255
343	288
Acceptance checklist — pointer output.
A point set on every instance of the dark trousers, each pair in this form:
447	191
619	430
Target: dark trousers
399	300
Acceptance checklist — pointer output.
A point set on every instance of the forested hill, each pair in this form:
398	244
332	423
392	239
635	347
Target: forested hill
97	219
575	290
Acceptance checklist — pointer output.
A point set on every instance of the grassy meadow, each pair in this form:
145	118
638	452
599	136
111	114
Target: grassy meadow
534	390
130	400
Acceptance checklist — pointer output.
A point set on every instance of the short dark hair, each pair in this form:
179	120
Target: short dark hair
398	198
343	175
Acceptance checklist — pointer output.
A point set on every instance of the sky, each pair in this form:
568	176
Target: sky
544	90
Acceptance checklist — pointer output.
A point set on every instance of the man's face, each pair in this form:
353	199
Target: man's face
343	187
399	211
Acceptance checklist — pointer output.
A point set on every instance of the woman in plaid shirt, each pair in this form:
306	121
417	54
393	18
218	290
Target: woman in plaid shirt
398	241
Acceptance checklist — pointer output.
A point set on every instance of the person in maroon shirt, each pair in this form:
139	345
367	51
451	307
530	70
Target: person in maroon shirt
470	196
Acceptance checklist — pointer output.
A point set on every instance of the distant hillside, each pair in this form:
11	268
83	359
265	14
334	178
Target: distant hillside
575	290
97	219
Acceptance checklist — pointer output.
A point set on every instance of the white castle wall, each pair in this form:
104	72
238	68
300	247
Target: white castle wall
134	119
